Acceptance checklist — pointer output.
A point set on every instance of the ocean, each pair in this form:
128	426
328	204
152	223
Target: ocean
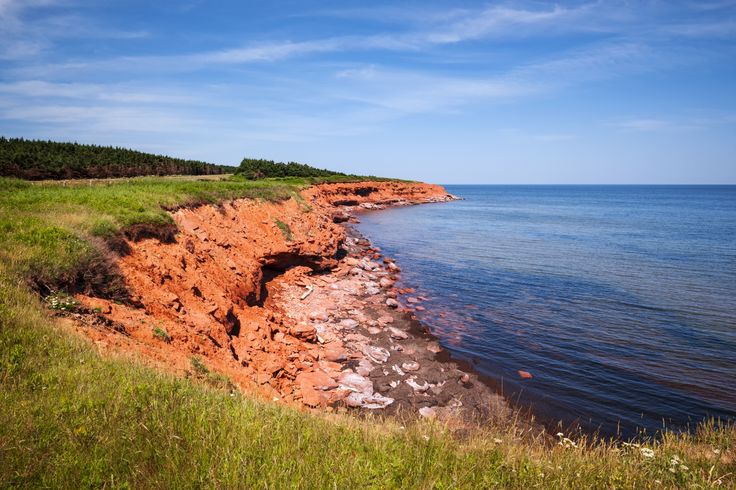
620	301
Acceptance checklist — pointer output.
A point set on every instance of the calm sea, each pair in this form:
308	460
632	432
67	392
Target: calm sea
619	300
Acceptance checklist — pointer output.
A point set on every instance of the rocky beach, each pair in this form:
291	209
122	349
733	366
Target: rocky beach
287	300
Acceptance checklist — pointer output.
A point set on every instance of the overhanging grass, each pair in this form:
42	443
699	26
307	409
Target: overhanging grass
50	231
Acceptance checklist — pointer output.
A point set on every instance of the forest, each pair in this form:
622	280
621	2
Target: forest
252	168
39	160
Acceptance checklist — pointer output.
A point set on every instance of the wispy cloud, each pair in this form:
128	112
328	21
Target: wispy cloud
674	124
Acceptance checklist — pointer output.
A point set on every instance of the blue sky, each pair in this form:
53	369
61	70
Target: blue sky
449	92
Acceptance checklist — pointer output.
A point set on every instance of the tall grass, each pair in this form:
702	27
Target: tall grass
70	418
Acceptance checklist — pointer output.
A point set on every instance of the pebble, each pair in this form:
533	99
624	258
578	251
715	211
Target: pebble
416	386
349	323
385	320
377	354
410	366
386	283
319	316
397	334
428	412
392	303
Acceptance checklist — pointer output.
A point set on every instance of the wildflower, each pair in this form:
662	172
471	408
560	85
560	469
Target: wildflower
646	452
497	440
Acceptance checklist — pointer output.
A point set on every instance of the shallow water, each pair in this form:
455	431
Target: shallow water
619	300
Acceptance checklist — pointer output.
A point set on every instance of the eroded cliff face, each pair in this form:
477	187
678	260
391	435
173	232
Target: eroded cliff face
213	292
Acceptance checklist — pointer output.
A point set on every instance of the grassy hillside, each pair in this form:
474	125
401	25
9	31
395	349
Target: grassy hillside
36	160
70	418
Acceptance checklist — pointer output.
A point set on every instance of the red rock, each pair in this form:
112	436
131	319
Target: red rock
419	308
304	332
525	374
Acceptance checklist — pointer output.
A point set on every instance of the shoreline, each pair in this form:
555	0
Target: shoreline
287	300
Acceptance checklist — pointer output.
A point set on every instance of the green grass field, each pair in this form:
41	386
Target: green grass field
72	419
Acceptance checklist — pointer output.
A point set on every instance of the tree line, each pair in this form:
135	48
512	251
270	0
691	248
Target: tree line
37	160
254	168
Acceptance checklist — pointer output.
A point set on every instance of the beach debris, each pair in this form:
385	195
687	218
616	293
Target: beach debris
309	291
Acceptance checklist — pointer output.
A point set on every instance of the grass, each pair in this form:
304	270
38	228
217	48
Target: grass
53	233
70	418
285	230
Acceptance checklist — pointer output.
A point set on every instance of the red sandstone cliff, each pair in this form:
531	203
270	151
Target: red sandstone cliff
209	290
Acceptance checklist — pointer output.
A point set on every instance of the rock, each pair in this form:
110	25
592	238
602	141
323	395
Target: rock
355	271
311	397
369	265
356	383
334	354
465	378
392	303
393	267
376	401
434	347
397	334
349	323
317	380
171	298
304	332
385	320
410	366
386	283
428	412
352	261
412	300
421	388
364	367
419	308
372	291
525	374
319	316
376	354
374	330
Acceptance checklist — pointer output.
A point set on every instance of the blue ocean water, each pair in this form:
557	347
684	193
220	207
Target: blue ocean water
619	300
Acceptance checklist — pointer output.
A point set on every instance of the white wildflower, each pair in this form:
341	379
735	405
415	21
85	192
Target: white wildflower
646	452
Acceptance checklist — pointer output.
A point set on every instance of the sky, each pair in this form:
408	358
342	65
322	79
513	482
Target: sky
441	91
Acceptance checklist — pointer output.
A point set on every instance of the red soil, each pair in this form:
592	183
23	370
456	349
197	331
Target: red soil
209	290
